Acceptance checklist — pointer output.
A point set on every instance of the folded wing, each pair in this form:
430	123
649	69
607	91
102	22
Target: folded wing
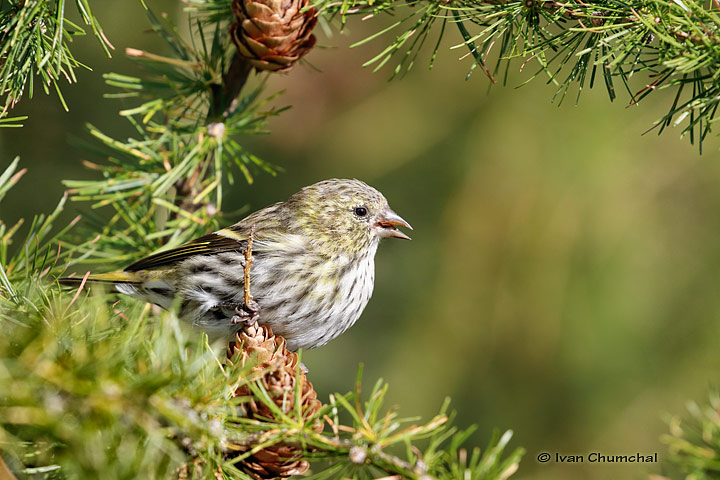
225	240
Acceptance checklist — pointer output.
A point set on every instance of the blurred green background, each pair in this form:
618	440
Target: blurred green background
562	280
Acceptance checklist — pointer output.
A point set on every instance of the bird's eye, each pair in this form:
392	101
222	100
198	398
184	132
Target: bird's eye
360	211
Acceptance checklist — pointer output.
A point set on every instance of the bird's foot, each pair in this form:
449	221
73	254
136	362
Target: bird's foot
246	314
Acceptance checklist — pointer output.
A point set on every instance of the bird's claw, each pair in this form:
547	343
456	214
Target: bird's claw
246	314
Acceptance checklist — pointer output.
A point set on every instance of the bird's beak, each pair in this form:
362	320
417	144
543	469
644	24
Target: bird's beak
386	225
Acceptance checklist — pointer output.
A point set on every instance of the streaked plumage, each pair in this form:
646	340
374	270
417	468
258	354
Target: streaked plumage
312	274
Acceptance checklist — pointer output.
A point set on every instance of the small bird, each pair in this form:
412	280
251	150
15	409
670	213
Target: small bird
312	273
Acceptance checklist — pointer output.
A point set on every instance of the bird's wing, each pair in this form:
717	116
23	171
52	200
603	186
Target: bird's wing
224	240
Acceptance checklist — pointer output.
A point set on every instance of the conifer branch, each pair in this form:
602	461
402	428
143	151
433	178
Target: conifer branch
640	46
167	184
35	40
225	96
694	440
247	297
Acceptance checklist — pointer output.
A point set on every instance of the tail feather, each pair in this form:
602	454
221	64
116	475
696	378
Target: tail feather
111	278
151	286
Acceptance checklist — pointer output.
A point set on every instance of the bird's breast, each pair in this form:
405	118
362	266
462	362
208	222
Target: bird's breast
312	298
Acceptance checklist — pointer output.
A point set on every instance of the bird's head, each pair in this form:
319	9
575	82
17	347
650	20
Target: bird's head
347	215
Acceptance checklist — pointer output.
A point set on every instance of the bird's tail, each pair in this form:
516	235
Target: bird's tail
112	278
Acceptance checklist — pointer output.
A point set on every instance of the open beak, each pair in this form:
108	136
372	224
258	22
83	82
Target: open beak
386	225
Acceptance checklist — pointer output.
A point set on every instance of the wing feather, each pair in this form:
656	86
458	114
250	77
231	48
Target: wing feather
221	241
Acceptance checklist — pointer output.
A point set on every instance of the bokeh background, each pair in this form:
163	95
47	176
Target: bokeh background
563	275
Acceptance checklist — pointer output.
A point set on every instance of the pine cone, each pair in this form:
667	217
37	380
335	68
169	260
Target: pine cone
273	34
276	368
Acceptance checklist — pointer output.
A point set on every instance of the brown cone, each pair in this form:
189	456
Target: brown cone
276	368
273	34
